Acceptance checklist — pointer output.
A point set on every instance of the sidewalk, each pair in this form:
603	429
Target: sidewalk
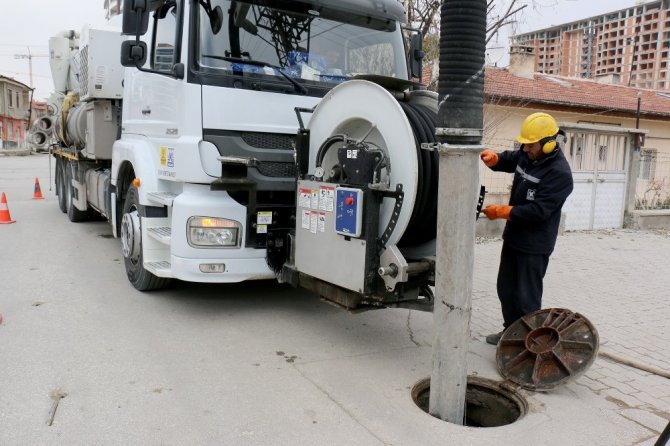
14	152
619	280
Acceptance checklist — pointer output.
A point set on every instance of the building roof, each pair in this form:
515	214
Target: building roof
14	81
576	93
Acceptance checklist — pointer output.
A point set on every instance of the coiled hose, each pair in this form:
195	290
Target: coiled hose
422	226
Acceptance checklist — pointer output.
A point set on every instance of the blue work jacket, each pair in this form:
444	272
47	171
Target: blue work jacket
539	189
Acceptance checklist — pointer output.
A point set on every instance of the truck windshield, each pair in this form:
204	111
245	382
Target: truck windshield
312	47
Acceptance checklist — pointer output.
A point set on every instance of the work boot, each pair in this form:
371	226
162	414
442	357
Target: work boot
494	338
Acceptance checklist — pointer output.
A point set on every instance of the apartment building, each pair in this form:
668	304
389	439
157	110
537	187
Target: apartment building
630	46
14	112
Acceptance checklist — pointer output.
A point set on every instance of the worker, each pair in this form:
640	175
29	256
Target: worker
542	182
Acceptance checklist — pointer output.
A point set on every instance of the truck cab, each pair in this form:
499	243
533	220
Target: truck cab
204	166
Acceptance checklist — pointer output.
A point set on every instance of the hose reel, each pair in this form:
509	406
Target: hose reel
366	198
364	116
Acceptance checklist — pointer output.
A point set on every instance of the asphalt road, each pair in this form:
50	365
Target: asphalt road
195	364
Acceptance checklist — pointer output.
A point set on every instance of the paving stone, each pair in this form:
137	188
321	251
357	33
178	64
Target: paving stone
647	419
653	401
618	384
594	385
625	300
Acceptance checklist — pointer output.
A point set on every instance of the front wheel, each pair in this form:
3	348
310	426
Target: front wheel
131	241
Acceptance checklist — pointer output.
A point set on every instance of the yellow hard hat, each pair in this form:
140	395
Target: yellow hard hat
537	127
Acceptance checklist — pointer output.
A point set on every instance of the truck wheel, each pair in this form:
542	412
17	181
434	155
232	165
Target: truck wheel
60	185
131	241
74	214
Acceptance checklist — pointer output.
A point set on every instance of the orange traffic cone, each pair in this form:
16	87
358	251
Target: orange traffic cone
5	218
37	195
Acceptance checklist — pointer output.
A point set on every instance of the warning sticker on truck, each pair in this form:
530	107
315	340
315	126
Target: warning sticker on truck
264	218
167	156
322	222
315	199
327	198
305	219
304	198
164	155
167	162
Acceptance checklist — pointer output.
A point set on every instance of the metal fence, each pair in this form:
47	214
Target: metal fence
653	181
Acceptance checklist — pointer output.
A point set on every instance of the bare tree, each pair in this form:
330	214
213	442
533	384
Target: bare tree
498	21
424	15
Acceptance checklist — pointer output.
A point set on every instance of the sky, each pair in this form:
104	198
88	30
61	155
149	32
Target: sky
27	25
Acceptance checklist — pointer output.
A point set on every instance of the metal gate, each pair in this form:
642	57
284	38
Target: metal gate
599	162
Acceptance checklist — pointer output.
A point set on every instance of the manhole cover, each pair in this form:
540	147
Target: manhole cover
547	348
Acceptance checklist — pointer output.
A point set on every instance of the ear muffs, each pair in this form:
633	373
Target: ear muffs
548	144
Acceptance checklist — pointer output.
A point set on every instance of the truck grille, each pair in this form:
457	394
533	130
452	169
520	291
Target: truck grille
276	169
272	141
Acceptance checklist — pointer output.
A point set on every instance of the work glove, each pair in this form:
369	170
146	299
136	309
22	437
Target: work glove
489	157
494	211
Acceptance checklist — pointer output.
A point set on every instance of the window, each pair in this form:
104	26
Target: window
10	103
319	49
647	164
165	38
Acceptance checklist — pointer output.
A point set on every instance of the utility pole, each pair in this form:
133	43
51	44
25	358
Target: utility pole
459	133
30	63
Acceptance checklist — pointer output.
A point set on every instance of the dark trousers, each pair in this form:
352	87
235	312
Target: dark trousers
520	283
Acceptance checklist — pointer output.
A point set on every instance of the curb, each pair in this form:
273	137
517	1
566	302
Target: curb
14	152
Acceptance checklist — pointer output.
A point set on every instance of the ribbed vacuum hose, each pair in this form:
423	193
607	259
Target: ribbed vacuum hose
461	81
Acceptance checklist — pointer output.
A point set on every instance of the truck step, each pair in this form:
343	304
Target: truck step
162	234
164	198
160	269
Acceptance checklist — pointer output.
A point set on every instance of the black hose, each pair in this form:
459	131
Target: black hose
461	81
321	153
422	226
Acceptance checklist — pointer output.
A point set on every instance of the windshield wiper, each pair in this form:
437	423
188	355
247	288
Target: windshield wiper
258	63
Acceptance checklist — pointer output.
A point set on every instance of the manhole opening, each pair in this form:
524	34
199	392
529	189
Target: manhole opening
486	403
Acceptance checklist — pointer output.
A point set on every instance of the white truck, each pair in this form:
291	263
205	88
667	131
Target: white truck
227	139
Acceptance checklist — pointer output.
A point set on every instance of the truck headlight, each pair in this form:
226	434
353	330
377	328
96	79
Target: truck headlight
210	232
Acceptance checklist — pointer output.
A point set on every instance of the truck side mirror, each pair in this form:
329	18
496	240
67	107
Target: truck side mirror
136	16
178	70
133	53
416	55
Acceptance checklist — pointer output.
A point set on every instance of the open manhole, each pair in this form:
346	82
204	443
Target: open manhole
486	403
539	352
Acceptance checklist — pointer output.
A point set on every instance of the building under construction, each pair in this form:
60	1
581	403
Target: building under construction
630	46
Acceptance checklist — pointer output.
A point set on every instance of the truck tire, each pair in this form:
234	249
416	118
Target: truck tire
131	240
74	214
60	185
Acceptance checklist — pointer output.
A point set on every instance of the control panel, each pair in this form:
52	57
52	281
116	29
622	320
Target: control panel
349	211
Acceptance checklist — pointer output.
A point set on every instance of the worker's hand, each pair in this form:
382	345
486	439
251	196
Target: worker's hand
489	157
494	211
